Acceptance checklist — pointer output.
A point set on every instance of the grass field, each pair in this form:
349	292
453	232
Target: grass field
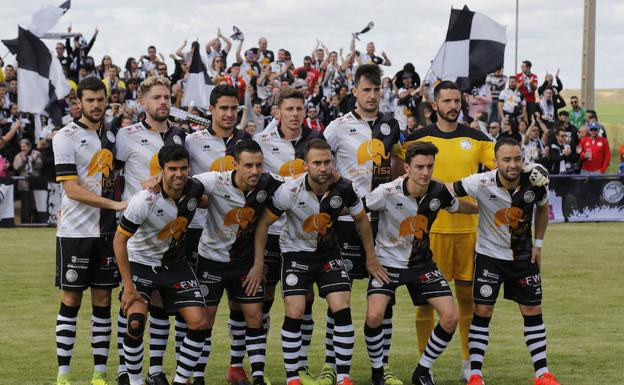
584	313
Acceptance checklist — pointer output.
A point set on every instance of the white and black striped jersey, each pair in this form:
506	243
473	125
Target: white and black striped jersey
402	239
210	152
232	215
282	156
505	217
156	224
310	219
87	156
137	149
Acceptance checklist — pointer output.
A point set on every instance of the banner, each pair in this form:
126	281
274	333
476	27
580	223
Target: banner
581	198
7	209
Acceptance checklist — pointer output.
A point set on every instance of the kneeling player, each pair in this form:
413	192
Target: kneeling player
407	208
506	253
150	255
310	253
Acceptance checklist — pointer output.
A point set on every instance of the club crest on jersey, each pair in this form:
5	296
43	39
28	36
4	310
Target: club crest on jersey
261	196
511	216
374	150
242	216
434	205
385	129
101	161
110	136
225	163
191	204
416	226
292	168
335	202
318	222
465	144
177	139
529	196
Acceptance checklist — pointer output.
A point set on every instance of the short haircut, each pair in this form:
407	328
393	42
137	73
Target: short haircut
512	77
564	113
316	144
506	141
527	63
171	152
151	47
559	129
593	112
548	88
420	148
444	85
370	72
573	97
91	84
152	81
246	145
220	91
307	58
290	93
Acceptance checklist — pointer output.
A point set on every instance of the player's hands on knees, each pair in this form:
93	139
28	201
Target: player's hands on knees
376	270
253	280
538	175
130	295
536	256
153	183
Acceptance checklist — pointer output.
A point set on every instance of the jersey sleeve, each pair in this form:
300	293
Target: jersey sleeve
331	136
135	214
375	201
195	188
542	196
486	157
448	201
64	158
208	180
467	186
352	201
281	200
121	146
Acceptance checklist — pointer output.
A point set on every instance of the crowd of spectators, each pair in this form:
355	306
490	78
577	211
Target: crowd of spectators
566	139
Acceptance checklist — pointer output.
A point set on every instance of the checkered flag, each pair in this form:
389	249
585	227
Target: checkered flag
474	47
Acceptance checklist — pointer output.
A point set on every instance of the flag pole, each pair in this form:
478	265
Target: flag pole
516	48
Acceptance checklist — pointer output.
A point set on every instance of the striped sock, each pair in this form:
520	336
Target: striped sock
133	353
344	339
535	339
438	341
307	327
375	346
122	325
330	354
66	321
478	338
387	331
190	351
266	315
237	325
291	346
255	343
101	329
200	368
179	327
159	334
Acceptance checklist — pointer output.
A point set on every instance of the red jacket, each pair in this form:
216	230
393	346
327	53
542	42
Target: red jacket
600	153
528	93
315	124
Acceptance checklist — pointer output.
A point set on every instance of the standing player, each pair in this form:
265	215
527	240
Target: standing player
212	149
462	150
225	252
83	160
150	255
507	254
310	253
283	145
363	142
137	154
407	208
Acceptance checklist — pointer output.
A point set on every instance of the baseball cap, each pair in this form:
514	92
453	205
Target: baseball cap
593	126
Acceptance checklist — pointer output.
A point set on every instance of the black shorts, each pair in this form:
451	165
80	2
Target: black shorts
422	283
272	260
177	284
523	283
351	249
85	262
301	270
215	277
191	241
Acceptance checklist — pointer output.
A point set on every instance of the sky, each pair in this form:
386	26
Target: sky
550	32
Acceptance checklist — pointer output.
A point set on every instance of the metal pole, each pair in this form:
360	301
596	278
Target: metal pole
589	55
516	50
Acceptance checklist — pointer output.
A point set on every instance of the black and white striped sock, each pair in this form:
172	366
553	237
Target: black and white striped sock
387	331
122	325
291	346
179	329
133	354
478	338
344	339
330	354
255	344
159	334
200	368
101	329
437	343
307	328
266	315
190	351
237	325
375	346
535	339
66	322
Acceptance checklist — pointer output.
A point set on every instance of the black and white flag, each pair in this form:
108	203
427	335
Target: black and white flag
474	47
198	85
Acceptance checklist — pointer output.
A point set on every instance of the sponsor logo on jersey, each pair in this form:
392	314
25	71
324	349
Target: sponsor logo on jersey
374	150
317	222
292	168
511	216
225	163
174	229
416	226
242	216
101	161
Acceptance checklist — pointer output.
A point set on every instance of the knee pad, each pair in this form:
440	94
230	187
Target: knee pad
139	319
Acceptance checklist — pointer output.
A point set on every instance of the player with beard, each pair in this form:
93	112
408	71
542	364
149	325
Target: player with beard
507	254
136	154
83	160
